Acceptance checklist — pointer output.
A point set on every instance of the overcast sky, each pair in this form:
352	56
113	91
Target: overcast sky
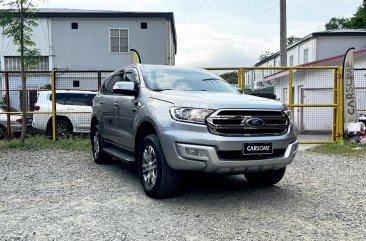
214	33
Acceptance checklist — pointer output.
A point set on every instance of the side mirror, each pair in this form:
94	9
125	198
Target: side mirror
125	88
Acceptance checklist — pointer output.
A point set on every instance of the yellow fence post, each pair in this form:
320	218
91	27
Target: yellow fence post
242	82
53	89
340	105
290	88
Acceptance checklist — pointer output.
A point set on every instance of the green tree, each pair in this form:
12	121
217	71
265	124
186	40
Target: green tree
17	22
338	23
230	77
292	39
358	20
265	55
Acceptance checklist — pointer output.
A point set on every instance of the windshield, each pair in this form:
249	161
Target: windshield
160	78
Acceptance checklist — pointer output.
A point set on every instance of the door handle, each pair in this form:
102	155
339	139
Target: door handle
101	102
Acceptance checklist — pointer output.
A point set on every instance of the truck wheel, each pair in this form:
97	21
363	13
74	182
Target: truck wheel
267	178
157	178
2	132
97	142
63	129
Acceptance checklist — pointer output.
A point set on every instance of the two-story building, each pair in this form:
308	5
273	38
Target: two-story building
96	40
70	39
313	86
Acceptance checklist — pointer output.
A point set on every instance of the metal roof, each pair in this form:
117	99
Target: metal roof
342	32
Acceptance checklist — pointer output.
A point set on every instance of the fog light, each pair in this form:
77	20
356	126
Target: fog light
295	146
195	152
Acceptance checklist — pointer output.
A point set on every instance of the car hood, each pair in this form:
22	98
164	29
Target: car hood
215	100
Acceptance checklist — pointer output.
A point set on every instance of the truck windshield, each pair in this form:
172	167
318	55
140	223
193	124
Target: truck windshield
160	78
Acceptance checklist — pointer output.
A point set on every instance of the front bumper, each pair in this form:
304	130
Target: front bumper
176	140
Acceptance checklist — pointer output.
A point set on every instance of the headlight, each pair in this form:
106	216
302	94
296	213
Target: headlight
288	114
189	114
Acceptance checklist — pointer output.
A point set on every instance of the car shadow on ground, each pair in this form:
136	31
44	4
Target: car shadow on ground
204	187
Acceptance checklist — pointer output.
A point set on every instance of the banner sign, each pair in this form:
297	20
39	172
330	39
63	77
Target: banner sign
349	98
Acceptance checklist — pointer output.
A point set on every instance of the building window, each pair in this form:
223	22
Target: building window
118	40
306	56
13	64
143	25
291	60
74	25
76	83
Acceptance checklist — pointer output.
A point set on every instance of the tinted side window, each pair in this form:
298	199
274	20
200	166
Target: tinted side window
60	98
115	79
103	88
80	99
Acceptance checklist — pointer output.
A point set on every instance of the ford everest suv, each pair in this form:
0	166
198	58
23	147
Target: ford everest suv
170	119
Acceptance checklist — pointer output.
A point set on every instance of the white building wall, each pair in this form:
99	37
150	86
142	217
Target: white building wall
40	36
329	46
88	47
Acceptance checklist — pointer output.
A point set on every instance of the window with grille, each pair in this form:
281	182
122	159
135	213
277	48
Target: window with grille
13	64
118	40
306	56
291	60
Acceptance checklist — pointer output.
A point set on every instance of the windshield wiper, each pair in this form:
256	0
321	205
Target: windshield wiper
159	90
210	79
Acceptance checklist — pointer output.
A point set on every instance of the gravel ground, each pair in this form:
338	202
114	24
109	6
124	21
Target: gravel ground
59	195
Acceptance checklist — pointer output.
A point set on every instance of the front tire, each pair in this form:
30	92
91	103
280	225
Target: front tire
157	178
266	178
97	142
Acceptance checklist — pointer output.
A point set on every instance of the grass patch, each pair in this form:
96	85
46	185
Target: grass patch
347	149
42	143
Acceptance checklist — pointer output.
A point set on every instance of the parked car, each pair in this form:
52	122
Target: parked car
73	111
15	122
362	118
171	119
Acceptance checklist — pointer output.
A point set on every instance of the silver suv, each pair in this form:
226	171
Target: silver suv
171	119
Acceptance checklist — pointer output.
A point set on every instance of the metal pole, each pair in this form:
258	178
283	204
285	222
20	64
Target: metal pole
7	92
53	87
340	105
283	33
99	79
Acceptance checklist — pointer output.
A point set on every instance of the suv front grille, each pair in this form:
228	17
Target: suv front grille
248	122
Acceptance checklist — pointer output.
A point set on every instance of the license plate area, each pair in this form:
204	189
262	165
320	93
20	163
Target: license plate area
257	148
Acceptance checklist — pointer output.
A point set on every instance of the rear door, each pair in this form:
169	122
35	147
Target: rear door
78	107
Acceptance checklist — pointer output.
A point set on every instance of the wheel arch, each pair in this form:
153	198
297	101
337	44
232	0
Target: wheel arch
145	128
93	123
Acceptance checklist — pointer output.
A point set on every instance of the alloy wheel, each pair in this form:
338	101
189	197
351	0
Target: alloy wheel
96	145
149	167
62	130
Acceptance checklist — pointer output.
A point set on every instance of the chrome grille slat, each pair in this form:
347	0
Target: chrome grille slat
233	122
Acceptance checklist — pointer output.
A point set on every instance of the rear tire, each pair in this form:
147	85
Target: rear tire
97	143
63	128
3	132
157	178
266	178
